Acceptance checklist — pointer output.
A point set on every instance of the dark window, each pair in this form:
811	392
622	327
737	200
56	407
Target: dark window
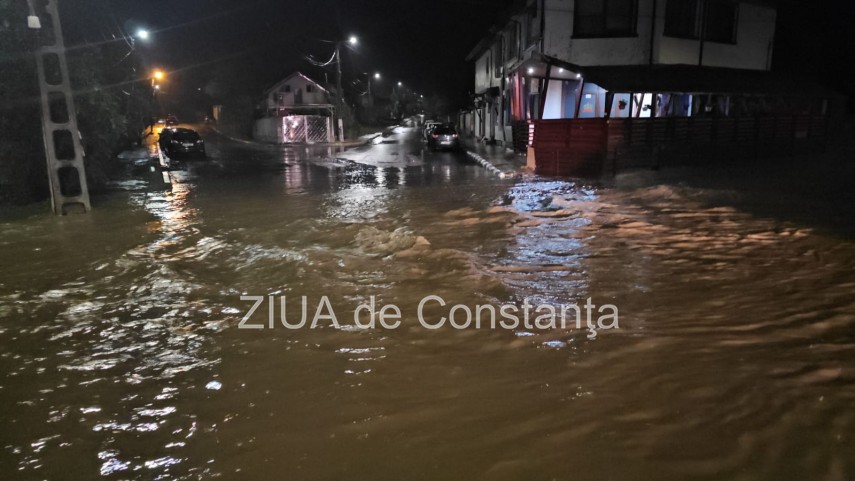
497	62
533	24
605	18
286	88
681	18
310	88
513	43
721	21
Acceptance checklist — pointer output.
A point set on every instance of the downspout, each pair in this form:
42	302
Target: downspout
503	91
543	26
703	32
653	30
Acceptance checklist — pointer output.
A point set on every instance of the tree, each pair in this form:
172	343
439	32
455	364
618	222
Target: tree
22	165
112	105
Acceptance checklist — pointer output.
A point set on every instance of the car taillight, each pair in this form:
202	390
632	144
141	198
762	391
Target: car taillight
455	136
436	136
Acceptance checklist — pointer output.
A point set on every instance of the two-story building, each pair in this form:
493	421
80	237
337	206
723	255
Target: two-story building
295	109
606	60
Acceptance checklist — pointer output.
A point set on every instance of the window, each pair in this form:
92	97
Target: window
683	19
286	88
513	43
721	21
497	62
310	88
605	18
533	24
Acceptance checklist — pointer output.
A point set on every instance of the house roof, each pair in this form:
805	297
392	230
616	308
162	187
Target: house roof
503	19
279	84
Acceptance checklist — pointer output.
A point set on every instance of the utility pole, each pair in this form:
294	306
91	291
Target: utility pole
63	149
340	94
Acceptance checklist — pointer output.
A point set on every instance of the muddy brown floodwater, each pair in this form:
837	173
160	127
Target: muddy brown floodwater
121	356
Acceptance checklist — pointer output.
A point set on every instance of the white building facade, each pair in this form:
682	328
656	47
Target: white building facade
565	59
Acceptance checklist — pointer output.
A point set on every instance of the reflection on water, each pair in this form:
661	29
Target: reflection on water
120	356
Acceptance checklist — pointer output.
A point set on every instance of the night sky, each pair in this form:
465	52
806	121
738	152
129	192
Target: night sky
420	43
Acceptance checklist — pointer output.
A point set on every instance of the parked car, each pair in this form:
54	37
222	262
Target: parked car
429	126
171	121
444	137
179	142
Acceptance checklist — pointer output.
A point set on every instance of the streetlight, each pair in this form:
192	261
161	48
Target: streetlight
339	91
370	99
157	76
400	84
143	34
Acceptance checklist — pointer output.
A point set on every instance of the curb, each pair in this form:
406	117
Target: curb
489	165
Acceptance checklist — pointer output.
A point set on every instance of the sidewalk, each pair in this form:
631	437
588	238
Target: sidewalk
496	158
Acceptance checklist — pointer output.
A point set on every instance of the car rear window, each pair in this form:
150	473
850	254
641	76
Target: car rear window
445	131
186	136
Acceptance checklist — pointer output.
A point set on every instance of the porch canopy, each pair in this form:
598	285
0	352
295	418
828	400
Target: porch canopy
688	79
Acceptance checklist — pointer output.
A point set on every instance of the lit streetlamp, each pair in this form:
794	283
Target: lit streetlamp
340	92
370	98
157	76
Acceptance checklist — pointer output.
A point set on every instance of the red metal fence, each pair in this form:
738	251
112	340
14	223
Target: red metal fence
570	146
589	146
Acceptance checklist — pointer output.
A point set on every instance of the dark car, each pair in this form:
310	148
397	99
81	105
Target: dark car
430	125
444	137
180	142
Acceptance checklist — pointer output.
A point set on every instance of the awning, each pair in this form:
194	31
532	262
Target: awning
691	79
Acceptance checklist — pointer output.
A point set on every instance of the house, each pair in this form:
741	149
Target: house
295	109
297	93
633	79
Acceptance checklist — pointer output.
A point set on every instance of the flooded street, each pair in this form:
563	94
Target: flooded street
121	355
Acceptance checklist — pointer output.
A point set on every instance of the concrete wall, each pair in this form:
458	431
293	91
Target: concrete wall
559	41
485	72
753	48
268	129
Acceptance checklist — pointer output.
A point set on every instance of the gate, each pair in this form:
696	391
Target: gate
308	129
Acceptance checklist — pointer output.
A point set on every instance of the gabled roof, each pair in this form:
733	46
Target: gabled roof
287	79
